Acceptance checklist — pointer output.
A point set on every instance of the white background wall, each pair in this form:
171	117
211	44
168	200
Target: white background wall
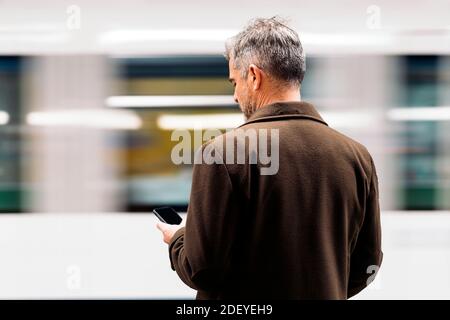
324	26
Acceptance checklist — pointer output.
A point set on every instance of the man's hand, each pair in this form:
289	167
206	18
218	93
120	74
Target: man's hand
168	230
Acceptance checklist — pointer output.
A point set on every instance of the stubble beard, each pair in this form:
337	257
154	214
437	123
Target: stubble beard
248	107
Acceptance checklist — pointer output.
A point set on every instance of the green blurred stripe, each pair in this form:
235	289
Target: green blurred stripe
420	198
10	200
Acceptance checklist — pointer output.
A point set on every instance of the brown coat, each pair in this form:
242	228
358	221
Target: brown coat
310	231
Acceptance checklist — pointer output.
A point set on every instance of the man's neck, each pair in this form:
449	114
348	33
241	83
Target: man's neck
293	95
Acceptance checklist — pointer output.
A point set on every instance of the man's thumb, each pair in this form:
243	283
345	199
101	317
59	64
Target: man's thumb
160	226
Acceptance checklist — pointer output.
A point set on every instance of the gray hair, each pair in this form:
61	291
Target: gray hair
272	46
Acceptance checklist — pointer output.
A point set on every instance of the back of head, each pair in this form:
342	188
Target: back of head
272	46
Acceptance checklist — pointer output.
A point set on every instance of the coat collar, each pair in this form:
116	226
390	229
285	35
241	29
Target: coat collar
285	110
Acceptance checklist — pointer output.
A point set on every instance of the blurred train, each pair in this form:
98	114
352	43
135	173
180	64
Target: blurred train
395	104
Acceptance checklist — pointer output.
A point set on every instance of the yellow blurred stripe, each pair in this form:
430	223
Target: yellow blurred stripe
177	86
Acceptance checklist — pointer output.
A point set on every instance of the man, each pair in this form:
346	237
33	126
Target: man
309	231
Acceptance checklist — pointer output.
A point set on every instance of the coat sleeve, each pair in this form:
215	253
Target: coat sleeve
200	253
366	258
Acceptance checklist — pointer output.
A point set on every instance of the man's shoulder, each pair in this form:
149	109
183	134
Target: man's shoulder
356	144
356	149
220	141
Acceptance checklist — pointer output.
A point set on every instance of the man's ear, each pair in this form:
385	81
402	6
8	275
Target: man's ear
254	76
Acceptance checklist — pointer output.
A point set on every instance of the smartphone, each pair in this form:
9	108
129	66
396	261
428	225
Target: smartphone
168	215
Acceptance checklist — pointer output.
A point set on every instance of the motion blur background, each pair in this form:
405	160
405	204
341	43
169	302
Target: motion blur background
90	92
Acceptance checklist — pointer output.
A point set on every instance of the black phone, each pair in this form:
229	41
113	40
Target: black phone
167	215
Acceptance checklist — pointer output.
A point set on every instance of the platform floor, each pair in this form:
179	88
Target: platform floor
120	255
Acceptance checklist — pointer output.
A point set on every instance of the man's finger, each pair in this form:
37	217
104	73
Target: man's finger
161	226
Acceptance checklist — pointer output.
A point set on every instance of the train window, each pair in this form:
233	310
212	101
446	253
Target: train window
10	141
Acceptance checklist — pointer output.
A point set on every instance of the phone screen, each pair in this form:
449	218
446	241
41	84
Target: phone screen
167	215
